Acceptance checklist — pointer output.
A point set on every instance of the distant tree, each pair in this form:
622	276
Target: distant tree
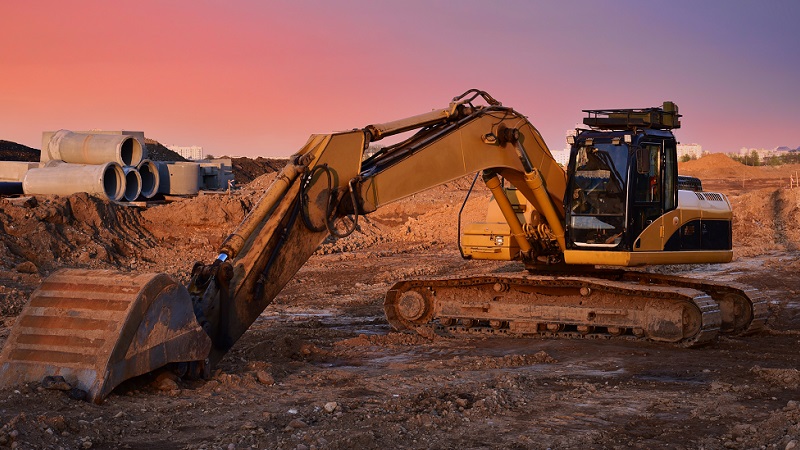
686	158
774	160
790	158
208	156
754	159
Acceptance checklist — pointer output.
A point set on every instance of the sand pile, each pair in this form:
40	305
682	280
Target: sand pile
717	165
766	220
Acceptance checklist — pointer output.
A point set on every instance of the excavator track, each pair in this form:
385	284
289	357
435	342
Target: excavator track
744	309
555	306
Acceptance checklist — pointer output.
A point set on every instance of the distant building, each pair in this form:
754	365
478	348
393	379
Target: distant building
194	152
764	153
561	156
692	150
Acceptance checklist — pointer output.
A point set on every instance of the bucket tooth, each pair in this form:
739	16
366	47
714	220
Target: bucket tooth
98	328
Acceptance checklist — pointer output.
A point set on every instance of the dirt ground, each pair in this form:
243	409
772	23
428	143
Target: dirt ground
321	368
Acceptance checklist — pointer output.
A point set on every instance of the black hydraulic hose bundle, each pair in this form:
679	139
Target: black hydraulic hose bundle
331	204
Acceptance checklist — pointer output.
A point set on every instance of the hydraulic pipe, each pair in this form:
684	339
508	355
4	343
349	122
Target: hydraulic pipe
148	170
379	131
78	148
236	240
60	178
494	185
133	183
534	181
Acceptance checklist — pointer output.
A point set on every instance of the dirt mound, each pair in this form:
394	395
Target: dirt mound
718	165
11	151
81	230
766	220
711	161
208	217
246	170
262	183
158	152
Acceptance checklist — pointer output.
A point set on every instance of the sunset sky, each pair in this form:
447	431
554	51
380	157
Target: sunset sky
255	78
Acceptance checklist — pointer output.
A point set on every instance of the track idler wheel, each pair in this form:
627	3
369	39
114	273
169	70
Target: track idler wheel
408	309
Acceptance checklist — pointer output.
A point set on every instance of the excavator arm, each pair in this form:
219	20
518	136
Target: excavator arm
329	178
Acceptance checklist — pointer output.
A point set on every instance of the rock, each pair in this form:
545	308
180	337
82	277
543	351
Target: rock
297	424
330	407
77	394
791	445
56	382
166	381
264	377
791	405
166	384
26	267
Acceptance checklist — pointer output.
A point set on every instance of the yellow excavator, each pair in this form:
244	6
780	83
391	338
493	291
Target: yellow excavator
618	204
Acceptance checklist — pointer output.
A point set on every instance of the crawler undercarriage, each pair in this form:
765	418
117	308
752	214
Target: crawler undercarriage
603	304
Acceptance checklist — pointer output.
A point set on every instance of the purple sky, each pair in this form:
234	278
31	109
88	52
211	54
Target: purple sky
257	77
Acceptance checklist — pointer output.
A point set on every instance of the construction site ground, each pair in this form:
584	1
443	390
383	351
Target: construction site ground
321	368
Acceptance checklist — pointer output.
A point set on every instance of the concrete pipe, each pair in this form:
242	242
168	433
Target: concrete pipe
178	178
15	170
133	183
60	178
88	148
148	170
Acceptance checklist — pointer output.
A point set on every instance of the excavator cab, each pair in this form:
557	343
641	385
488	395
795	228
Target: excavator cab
623	206
618	189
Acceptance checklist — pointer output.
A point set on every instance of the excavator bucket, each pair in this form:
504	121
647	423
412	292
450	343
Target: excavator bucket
98	328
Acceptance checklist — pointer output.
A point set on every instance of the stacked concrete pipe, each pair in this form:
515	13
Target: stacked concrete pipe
148	171
133	183
101	163
92	148
178	178
110	164
60	178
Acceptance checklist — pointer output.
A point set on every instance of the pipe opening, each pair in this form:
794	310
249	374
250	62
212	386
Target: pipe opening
113	182
130	151
149	173
133	184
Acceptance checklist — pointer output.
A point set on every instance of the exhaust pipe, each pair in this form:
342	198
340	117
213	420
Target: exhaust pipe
148	170
60	178
88	148
133	183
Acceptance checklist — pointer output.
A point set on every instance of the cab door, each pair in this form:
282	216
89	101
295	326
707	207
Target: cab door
647	189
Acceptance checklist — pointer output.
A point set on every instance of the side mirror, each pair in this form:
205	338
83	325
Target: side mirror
642	160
